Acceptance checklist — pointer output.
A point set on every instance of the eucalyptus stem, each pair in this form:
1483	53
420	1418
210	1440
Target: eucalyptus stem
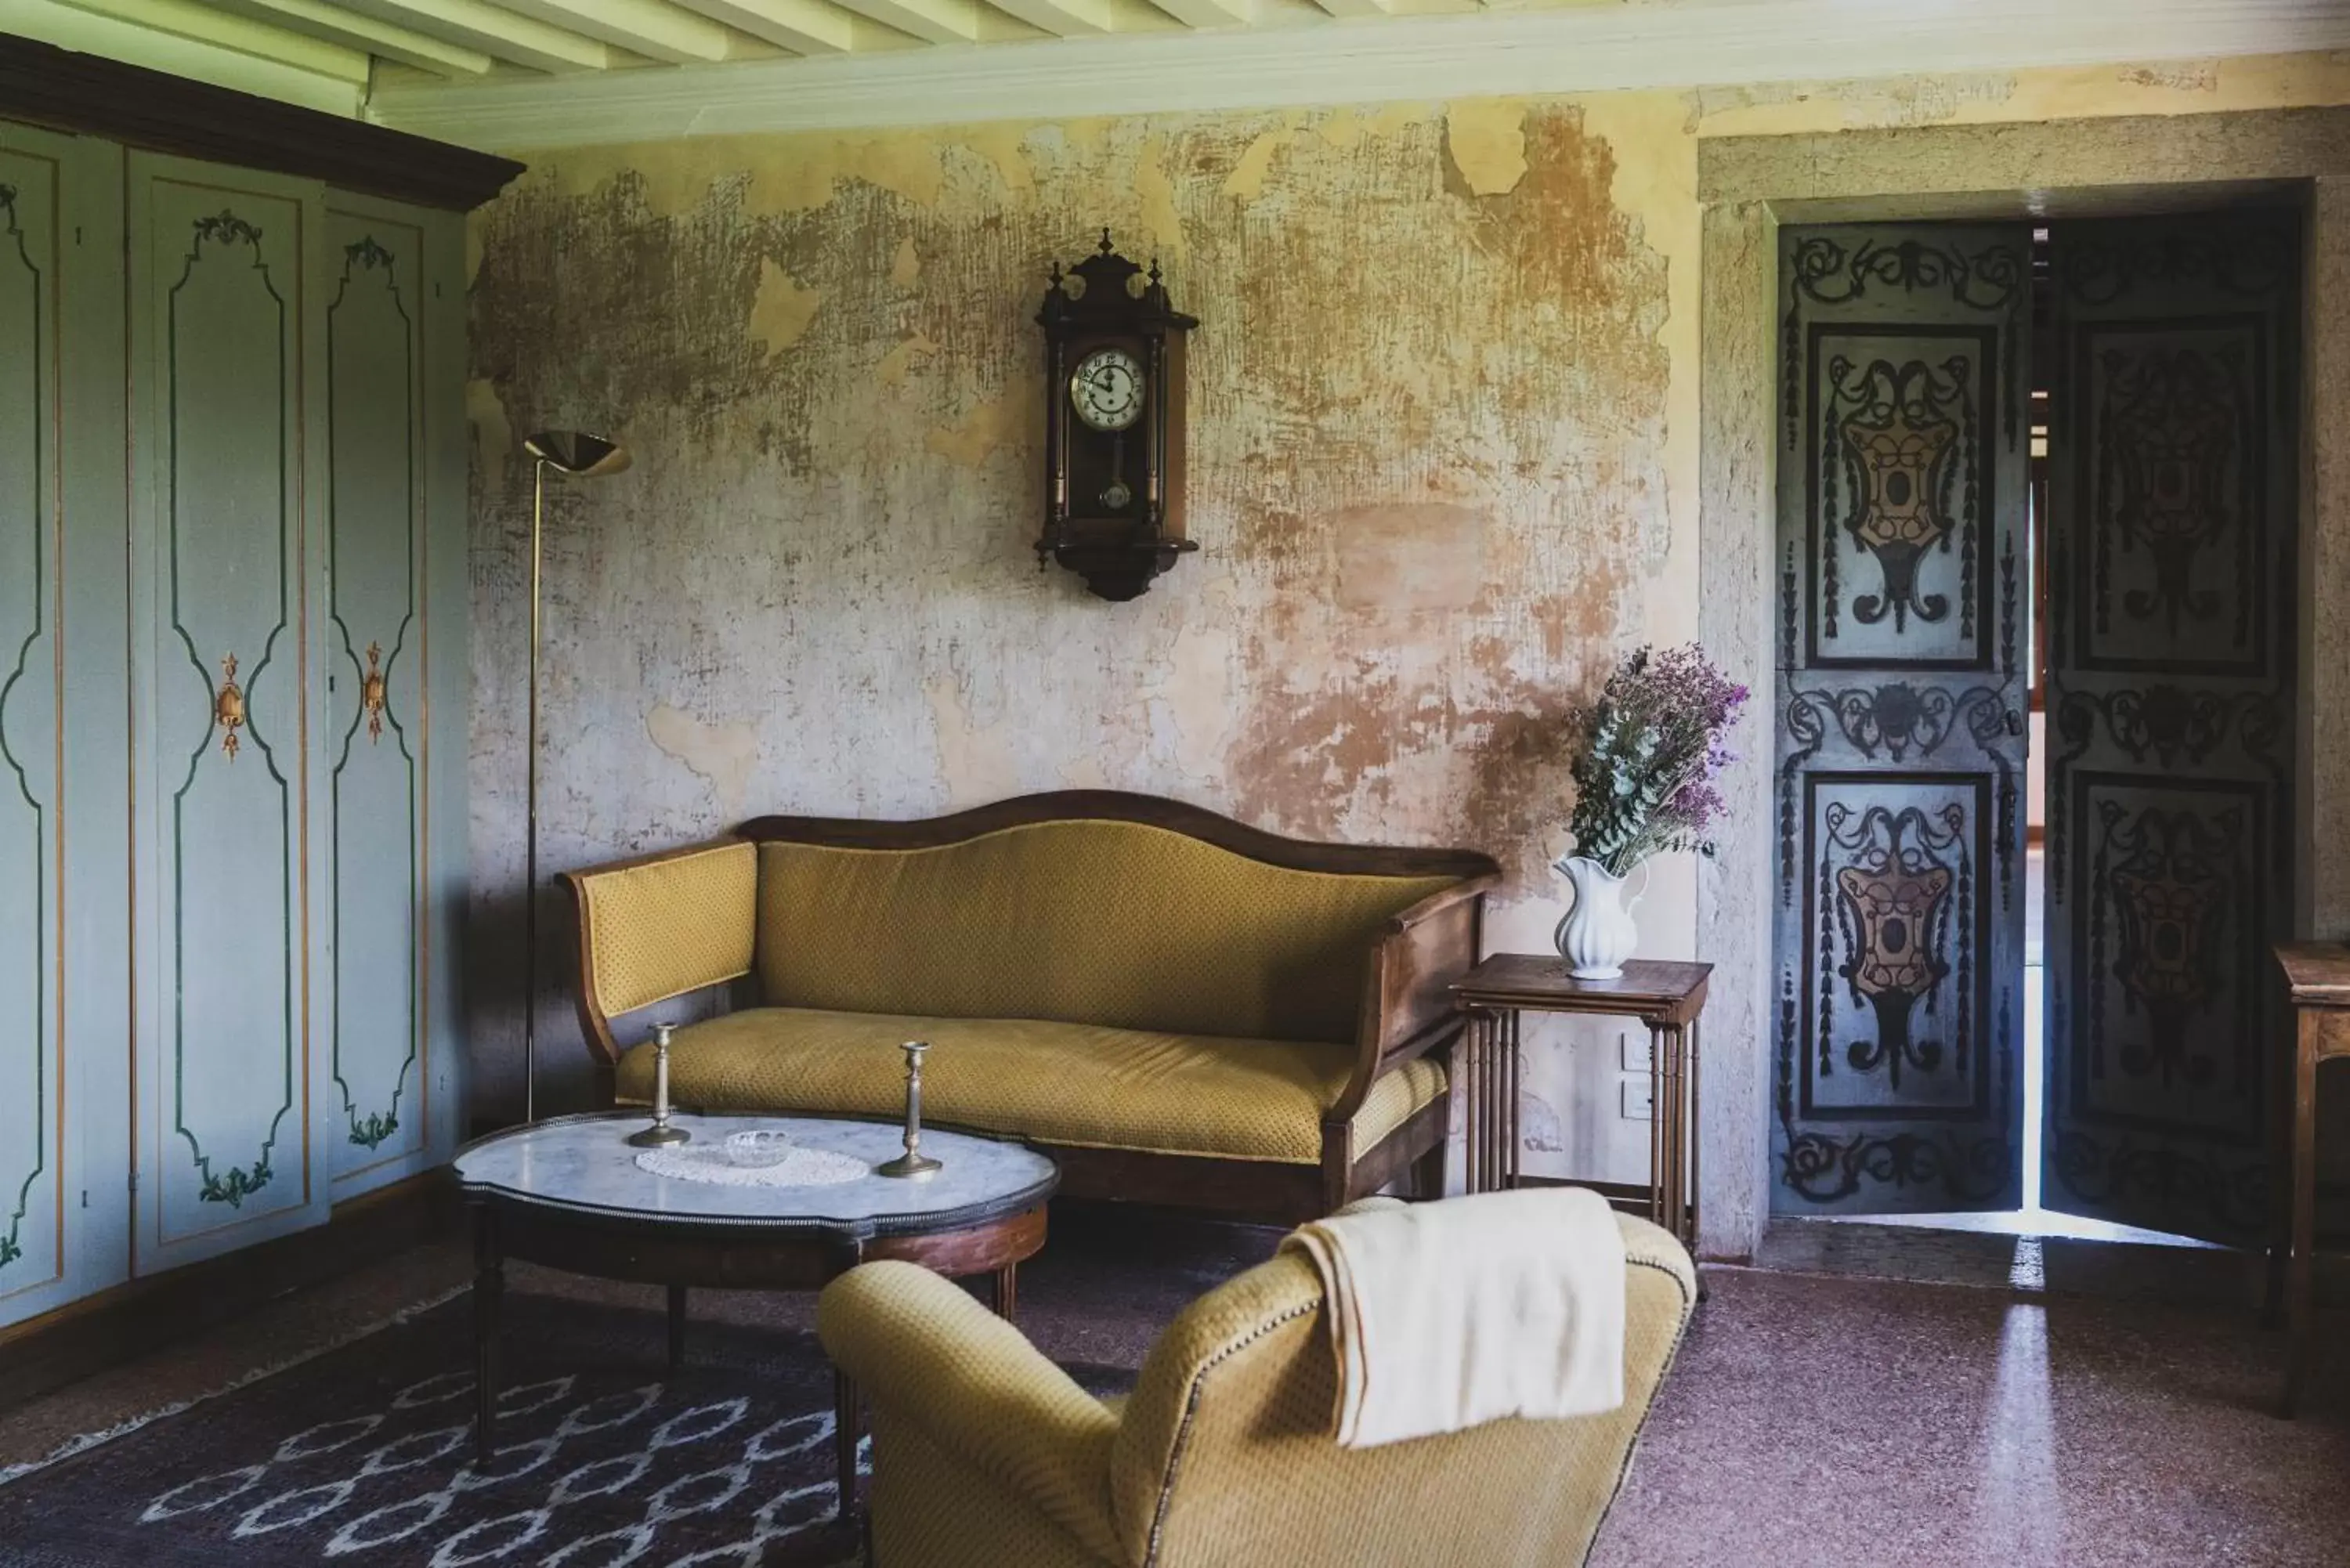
1652	744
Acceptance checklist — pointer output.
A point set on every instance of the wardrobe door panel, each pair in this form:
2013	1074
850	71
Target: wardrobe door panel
33	1207
64	978
224	320
446	659
377	637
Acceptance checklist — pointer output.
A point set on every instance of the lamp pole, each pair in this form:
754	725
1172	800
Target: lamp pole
578	455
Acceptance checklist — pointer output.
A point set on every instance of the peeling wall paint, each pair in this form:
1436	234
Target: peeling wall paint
1443	470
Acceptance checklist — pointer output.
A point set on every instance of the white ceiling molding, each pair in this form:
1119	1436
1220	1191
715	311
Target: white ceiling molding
1583	48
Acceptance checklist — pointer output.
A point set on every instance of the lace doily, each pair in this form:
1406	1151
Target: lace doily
708	1162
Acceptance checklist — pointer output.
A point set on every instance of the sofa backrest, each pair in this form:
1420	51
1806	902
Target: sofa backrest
670	923
1230	1424
1084	920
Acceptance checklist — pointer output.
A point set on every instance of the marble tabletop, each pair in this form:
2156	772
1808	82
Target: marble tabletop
585	1164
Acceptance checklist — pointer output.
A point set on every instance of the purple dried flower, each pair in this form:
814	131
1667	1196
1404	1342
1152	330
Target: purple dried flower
1653	743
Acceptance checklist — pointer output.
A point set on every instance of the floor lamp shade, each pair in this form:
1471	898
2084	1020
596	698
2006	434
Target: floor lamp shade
576	454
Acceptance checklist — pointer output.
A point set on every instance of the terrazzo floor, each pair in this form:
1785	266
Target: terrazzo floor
1811	1418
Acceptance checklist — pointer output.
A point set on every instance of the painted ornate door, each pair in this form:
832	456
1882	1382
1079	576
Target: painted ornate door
2171	644
64	1075
225	676
1901	693
376	743
32	714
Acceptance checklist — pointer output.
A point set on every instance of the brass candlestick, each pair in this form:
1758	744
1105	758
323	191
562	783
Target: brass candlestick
913	1163
661	1134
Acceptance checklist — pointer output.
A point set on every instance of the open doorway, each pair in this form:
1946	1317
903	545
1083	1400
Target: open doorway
2036	529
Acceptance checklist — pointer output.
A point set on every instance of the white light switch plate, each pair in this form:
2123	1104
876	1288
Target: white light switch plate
1639	1104
1631	1053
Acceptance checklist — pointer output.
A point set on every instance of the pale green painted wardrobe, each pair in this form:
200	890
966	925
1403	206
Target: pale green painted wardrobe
233	705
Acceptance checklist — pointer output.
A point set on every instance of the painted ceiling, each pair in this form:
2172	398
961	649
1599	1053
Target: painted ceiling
510	72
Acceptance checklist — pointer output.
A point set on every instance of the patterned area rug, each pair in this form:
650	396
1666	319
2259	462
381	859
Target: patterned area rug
364	1456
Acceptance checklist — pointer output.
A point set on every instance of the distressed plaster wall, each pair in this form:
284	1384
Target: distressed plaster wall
1444	470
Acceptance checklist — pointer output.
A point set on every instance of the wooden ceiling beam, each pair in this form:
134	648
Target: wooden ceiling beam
803	26
653	28
205	24
936	21
1210	12
337	24
1063	19
494	31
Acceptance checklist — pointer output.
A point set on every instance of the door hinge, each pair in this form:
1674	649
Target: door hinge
134	1181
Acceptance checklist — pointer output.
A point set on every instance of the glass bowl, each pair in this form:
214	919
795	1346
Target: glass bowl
759	1147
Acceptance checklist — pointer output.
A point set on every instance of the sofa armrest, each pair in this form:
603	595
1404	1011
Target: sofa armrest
923	1352
659	925
1408	1007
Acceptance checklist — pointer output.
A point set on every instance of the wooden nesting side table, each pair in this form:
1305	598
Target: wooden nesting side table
2317	975
1667	997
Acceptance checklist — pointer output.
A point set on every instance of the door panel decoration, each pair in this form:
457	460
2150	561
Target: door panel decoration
32	714
229	686
2170	868
1900	733
374	649
228	707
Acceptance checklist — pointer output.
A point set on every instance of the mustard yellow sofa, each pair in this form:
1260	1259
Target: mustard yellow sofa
986	1453
1181	1008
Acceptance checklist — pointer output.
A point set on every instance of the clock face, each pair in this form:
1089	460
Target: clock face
1107	390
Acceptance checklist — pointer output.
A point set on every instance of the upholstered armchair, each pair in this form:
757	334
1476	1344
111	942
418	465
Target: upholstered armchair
987	1454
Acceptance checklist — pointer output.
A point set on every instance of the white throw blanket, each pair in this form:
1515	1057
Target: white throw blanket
1447	1315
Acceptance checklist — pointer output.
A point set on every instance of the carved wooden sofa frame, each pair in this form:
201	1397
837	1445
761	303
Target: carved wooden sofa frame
1407	1010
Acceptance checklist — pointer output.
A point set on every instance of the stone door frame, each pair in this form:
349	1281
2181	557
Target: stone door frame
1748	186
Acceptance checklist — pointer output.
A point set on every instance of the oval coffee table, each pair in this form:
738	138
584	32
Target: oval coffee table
568	1193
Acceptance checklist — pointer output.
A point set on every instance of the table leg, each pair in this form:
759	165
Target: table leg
1006	1291
1473	1147
489	1286
1655	1127
2298	1306
1512	1137
1696	1142
1676	1134
676	1327
844	1440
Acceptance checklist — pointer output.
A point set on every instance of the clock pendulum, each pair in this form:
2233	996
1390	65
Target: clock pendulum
1115	495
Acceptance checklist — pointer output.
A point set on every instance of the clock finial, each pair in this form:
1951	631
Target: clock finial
1106	246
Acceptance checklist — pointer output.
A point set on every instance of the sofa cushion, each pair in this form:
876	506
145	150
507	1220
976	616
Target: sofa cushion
1083	920
1077	1084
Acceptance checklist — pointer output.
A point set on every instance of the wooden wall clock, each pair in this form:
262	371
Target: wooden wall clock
1114	365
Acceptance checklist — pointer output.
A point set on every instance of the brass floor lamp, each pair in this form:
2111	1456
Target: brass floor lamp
579	455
